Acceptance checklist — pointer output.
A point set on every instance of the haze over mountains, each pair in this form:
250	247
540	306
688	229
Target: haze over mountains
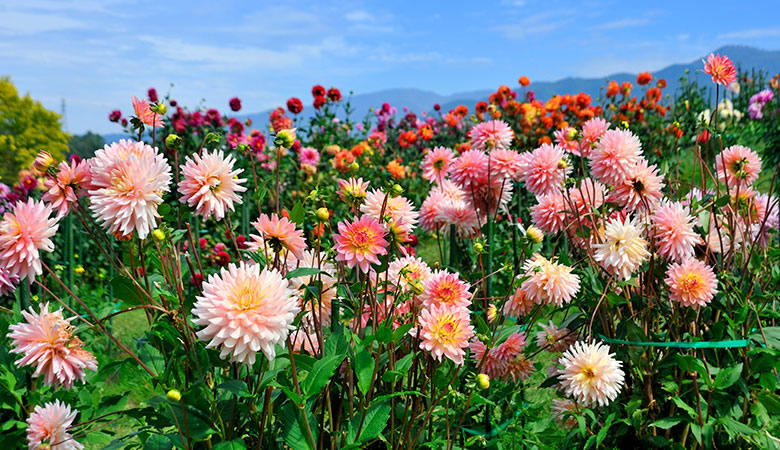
421	100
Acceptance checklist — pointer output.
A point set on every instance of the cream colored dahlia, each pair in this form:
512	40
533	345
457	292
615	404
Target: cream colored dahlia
47	427
623	250
549	282
24	232
591	374
210	185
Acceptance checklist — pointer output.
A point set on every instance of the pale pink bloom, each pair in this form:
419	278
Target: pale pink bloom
592	130
360	242
352	191
47	427
692	283
399	209
554	339
505	165
210	184
615	154
488	198
24	232
549	282
495	134
640	190
737	165
565	412
63	189
436	164
623	249
46	341
519	369
519	304
445	288
128	182
585	198
245	311
8	281
430	210
460	214
493	366
511	347
672	228
771	211
144	112
303	340
468	169
545	170
444	330
566	139
309	155
548	213
591	374
278	234
720	68
406	272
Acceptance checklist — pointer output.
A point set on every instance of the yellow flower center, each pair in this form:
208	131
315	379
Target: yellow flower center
690	282
446	331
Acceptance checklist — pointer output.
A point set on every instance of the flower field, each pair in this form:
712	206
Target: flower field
570	272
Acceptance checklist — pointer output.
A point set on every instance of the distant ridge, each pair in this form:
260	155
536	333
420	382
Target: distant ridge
419	100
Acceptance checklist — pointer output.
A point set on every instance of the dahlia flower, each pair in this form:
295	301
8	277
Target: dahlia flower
62	190
278	234
444	330
210	184
8	281
429	211
360	242
493	366
672	228
548	213
623	249
302	340
554	339
564	412
24	232
737	165
585	198
407	272
47	427
592	130
565	138
545	170
492	135
505	165
519	304
128	182
400	209
309	155
519	369
462	215
549	282
511	347
327	289
352	191
720	68
591	374
468	168
436	164
445	288
144	113
245	311
640	190
45	339
615	154
691	282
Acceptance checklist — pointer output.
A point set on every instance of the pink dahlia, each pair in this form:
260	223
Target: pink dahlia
511	347
566	139
565	412
360	242
585	198
305	341
623	248
548	213
144	113
309	155
24	232
672	228
519	369
245	311
468	168
47	427
407	273
277	234
62	190
505	165
549	282
353	191
592	130
519	304
591	374
462	215
691	282
554	339
210	184
737	165
492	135
615	154
46	341
546	170
445	288
492	365
128	182
429	211
8	281
721	69
640	190
319	303
436	164
444	330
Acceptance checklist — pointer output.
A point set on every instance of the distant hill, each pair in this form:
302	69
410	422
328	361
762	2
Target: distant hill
420	100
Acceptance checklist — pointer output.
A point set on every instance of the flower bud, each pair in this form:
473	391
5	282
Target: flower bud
42	162
417	288
212	138
160	109
354	166
483	381
323	214
173	142
158	235
534	234
479	248
396	190
285	138
491	313
174	395
79	269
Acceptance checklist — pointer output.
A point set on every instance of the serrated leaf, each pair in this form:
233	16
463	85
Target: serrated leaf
237	387
667	422
320	374
297	214
363	365
375	421
728	376
722	201
125	291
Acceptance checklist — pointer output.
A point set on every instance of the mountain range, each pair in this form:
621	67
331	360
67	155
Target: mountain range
418	100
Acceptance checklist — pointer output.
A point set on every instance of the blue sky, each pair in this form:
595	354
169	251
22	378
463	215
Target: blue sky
97	53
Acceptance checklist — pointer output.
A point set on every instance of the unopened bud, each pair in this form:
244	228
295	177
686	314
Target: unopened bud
212	138
354	166
396	190
42	162
479	248
173	142
158	235
323	214
160	109
174	395
285	138
491	313
534	234
483	381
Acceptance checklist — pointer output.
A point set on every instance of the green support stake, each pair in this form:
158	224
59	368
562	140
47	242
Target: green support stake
69	252
24	295
245	216
453	247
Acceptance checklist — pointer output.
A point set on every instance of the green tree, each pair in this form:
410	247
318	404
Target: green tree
26	128
85	145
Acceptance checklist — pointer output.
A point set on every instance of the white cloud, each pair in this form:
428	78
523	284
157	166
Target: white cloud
26	23
360	16
623	23
752	33
535	24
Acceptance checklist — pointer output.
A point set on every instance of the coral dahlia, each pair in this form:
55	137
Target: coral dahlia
444	330
24	232
691	282
360	242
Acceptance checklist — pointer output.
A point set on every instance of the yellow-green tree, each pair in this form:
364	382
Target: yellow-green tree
26	128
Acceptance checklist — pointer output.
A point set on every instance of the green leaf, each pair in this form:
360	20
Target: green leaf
735	427
164	209
125	290
722	201
303	272
667	422
401	331
363	365
373	424
158	442
320	374
293	427
770	401
297	214
772	337
237	387
682	405
236	444
728	376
